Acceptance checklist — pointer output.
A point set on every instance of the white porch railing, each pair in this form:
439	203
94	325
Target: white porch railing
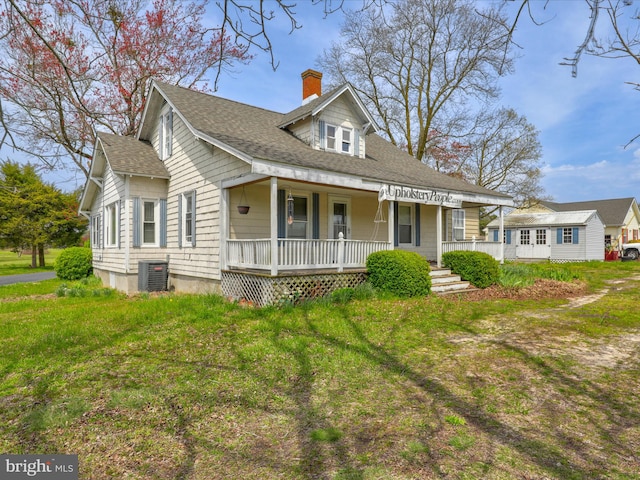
492	248
295	254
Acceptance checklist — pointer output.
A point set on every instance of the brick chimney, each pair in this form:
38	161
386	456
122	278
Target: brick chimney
311	85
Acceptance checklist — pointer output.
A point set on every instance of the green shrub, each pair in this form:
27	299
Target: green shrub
405	274
479	268
74	263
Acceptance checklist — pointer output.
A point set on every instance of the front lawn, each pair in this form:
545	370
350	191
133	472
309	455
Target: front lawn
13	264
194	387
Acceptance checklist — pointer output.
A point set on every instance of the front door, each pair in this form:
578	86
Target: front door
339	217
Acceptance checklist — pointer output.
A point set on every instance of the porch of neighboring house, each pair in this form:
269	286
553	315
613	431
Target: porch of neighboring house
319	238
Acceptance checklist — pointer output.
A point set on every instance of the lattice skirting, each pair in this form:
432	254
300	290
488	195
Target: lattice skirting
262	290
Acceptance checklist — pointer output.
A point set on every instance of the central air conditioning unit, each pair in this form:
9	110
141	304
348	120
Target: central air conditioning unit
152	275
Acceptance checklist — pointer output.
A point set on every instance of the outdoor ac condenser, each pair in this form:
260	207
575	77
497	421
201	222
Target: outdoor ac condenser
152	275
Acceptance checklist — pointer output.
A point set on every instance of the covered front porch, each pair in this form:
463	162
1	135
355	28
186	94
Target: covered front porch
318	227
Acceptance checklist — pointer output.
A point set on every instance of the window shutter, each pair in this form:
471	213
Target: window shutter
559	236
315	216
576	238
136	221
282	214
180	220
193	220
396	231
495	235
508	237
356	143
170	132
323	134
163	222
417	224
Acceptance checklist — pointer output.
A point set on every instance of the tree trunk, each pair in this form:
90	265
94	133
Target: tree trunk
34	256
41	255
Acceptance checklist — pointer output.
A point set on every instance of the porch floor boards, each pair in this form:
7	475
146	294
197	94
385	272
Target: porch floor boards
289	273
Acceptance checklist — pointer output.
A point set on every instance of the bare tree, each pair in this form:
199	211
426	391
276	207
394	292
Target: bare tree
421	66
504	155
69	67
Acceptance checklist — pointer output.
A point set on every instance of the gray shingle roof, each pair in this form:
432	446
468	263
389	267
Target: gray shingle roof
612	211
129	156
254	131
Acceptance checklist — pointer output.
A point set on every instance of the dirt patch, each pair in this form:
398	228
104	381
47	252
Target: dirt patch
542	288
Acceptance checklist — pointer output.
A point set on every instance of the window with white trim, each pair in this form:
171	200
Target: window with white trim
405	227
457	224
188	207
95	231
541	237
339	139
150	222
525	237
567	235
111	225
165	133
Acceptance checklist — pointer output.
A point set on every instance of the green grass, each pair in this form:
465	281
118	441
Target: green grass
194	387
13	264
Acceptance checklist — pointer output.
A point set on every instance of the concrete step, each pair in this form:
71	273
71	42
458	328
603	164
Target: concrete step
443	281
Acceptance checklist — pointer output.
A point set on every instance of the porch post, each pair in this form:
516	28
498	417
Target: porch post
224	227
501	233
391	225
274	226
439	236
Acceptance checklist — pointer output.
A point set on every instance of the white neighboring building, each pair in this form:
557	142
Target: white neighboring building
554	236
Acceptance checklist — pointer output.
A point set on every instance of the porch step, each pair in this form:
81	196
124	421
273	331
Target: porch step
443	281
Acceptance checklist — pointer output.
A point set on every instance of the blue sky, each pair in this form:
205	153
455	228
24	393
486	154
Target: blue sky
584	122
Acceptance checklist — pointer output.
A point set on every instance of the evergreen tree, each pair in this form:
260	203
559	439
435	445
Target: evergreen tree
33	214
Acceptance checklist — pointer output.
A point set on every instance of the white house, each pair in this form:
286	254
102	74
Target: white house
320	190
621	217
554	236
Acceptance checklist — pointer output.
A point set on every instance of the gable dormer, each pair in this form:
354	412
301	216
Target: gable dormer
336	122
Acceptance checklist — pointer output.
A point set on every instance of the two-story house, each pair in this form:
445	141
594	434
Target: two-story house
220	196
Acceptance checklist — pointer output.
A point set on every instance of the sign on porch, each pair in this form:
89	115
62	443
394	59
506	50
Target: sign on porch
417	195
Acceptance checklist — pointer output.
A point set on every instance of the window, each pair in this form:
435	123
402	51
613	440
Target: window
111	224
188	219
346	140
149	223
95	231
339	139
297	226
404	224
165	133
457	224
525	237
607	240
331	137
567	235
541	237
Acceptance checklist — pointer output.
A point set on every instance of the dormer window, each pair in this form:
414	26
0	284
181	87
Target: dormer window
346	140
331	137
165	133
337	139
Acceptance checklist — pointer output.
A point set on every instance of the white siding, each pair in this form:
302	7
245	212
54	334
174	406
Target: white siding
110	257
196	165
594	248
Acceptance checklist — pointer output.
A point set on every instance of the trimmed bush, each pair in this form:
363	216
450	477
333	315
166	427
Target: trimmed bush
404	274
74	263
479	268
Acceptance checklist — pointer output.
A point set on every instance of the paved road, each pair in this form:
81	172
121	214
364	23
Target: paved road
26	277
